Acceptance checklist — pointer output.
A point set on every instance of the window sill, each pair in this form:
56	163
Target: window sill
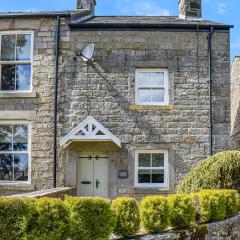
152	107
18	94
18	184
161	188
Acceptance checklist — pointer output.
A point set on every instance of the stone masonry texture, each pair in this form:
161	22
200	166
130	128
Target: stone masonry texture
105	89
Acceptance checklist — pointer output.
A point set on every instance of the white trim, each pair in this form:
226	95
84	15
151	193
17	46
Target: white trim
165	86
89	134
164	185
20	183
18	62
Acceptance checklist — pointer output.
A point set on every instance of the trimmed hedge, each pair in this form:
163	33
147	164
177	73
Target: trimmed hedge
15	215
221	171
127	216
49	220
154	211
97	218
182	210
90	218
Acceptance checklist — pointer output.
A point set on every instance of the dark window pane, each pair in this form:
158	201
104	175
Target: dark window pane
23	76
8	77
23	47
144	176
158	176
6	167
144	160
20	167
20	138
157	160
8	48
5	138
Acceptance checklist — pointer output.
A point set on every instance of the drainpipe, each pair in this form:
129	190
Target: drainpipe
57	44
210	90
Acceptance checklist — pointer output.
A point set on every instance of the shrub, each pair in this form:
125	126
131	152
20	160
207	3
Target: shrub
182	210
211	205
90	218
154	212
14	217
127	216
50	220
221	171
231	199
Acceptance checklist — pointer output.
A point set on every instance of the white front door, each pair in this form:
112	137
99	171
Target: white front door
93	175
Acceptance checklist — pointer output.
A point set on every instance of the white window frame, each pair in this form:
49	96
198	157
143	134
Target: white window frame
17	62
164	185
165	86
23	152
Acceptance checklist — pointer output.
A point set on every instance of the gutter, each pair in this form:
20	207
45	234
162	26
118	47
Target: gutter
36	15
210	82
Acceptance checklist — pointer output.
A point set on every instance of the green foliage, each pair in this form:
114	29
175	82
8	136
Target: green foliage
127	216
154	212
211	205
90	218
231	199
221	171
49	221
14	217
182	210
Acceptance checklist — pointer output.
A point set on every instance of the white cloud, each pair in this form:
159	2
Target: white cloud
141	8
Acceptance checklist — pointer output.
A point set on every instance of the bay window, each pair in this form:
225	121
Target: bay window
14	152
16	61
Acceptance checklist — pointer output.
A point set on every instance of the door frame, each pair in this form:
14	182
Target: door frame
78	165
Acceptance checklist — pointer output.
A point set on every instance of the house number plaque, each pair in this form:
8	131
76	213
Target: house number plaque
123	174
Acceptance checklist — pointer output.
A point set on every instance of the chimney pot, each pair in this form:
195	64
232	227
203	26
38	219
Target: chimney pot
190	9
86	5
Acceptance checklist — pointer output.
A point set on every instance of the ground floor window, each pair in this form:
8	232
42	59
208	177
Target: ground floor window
151	169
14	152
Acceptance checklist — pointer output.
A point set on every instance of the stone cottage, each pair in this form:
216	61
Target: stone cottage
235	103
151	104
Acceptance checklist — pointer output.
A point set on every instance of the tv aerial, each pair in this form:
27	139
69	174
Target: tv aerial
88	52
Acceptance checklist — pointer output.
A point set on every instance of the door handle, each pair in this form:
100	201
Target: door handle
85	182
97	183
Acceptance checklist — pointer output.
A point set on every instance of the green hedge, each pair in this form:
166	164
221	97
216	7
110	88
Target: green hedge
182	210
15	215
97	218
49	220
127	216
90	218
154	211
221	171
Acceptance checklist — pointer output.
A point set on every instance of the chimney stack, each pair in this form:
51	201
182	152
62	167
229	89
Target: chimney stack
190	9
86	5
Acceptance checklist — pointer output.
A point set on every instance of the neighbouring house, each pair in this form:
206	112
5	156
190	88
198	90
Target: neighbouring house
235	103
152	103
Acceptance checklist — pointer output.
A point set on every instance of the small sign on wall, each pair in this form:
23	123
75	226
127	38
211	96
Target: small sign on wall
123	174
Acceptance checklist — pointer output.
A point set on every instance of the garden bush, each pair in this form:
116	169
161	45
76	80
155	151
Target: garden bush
127	216
90	218
211	205
221	171
154	212
182	210
231	199
49	221
14	218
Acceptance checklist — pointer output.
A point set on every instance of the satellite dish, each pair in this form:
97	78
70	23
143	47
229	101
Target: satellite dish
87	52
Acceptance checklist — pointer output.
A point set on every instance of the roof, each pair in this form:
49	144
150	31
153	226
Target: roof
144	22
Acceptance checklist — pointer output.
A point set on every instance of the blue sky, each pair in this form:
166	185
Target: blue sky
225	11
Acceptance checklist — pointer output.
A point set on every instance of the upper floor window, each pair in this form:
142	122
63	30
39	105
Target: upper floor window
151	169
151	87
14	152
16	61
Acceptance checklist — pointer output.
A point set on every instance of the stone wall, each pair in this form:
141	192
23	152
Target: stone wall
235	103
228	229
